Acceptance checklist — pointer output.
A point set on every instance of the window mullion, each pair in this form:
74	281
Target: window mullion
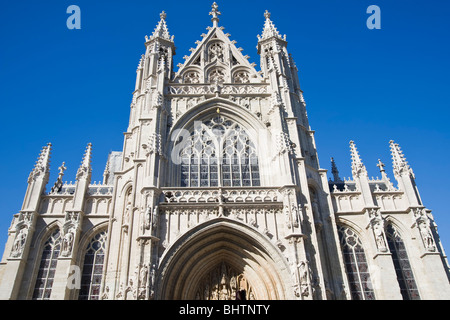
358	273
209	171
240	170
92	275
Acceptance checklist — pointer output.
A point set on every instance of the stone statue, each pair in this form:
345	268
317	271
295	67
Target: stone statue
19	242
67	243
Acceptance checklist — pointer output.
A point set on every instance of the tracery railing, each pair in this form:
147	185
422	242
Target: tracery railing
216	195
211	89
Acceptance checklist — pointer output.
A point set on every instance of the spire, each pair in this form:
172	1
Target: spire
161	30
42	165
399	162
215	14
141	62
37	180
358	167
85	167
269	29
335	171
107	172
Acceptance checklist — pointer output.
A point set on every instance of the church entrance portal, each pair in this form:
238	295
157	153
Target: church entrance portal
222	260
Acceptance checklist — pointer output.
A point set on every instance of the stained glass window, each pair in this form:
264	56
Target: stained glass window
47	267
356	265
403	269
91	276
219	149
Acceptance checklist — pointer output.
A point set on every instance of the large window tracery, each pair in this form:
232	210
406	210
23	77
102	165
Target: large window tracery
356	265
403	269
216	51
217	75
218	152
91	276
47	267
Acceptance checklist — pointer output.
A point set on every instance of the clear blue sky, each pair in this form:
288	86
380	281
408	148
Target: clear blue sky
72	87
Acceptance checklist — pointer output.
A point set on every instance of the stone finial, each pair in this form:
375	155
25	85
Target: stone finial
381	166
42	165
61	169
215	14
106	172
358	168
269	29
399	163
161	30
84	171
59	182
87	156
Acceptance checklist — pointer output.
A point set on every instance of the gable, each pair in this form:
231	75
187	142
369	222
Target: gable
216	59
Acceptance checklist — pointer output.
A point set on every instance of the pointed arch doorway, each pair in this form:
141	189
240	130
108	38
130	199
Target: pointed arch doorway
223	259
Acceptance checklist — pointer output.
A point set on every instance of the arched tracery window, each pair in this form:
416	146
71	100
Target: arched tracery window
91	276
402	266
192	77
241	77
216	51
217	75
47	267
218	151
356	265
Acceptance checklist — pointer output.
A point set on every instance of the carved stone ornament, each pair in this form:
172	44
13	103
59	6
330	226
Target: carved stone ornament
288	217
377	224
304	278
67	242
200	89
105	295
283	143
19	242
152	281
158	99
69	231
22	228
217	76
241	77
138	283
151	217
224	283
216	52
82	172
127	210
301	276
154	144
192	77
148	218
295	215
42	164
423	224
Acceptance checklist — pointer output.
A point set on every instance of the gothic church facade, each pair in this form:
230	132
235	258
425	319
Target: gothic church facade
218	195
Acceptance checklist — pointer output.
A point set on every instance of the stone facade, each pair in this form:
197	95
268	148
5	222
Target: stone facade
218	193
